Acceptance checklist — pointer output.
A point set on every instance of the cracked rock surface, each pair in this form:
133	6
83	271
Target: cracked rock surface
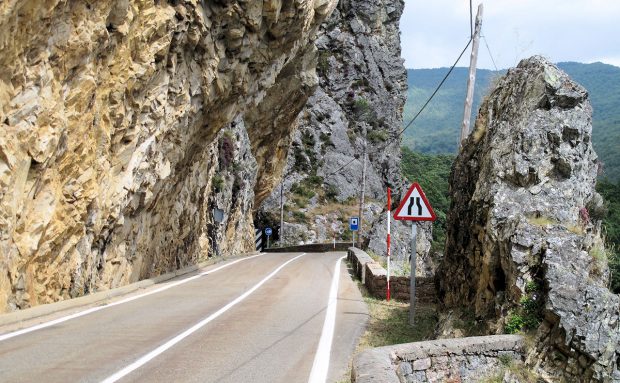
524	218
359	102
126	123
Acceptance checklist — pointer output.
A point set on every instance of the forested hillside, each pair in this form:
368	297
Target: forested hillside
436	130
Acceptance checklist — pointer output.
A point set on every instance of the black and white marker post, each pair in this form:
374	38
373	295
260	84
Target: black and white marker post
414	207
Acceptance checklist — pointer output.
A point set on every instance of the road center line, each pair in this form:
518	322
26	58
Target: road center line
320	367
126	300
161	349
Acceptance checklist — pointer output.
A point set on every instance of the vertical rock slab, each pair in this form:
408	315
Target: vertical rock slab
523	226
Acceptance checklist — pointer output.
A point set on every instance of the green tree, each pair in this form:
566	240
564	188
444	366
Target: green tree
611	194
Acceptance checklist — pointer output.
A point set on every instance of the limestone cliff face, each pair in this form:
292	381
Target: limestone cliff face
359	103
126	123
523	238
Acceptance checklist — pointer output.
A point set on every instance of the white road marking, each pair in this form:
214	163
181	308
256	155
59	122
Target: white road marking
98	308
161	349
320	367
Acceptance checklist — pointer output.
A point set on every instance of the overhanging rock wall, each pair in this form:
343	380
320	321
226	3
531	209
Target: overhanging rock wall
125	123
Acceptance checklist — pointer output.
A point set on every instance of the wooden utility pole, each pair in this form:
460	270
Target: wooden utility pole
469	99
362	194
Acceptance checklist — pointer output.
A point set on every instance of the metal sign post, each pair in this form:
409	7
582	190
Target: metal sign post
414	254
414	207
268	232
389	204
354	225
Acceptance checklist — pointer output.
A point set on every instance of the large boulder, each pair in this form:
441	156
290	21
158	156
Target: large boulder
523	243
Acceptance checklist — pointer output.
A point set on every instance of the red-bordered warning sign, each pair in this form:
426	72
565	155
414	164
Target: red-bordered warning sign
415	206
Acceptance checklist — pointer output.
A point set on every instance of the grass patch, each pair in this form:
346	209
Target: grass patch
601	257
389	323
541	221
377	258
517	370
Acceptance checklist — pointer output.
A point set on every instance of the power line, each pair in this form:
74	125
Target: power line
436	89
489	50
388	143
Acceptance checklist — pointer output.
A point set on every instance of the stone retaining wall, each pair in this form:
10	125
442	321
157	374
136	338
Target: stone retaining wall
374	277
445	360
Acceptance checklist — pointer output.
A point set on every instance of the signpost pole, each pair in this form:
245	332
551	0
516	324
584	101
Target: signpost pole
414	207
353	242
414	232
268	241
389	202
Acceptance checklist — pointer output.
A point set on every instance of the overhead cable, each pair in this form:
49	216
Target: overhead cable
394	138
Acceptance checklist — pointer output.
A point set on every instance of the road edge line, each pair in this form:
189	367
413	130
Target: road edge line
320	366
91	310
161	349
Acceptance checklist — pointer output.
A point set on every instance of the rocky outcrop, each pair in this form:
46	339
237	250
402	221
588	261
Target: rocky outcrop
523	248
126	123
358	105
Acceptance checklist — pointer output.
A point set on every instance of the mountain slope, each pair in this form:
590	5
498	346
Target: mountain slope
436	130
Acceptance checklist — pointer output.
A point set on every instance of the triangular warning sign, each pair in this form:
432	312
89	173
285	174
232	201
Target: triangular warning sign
415	206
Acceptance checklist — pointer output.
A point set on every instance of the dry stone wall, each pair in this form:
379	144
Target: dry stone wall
126	123
448	360
374	277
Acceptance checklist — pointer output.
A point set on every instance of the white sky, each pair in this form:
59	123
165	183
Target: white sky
434	32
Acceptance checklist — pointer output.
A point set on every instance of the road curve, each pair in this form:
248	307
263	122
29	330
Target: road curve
259	320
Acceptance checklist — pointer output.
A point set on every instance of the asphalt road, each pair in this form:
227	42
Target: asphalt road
259	320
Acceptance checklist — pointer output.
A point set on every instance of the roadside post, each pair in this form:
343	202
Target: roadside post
414	207
389	204
354	225
268	233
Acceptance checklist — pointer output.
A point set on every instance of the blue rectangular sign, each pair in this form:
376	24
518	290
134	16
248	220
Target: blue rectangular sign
354	223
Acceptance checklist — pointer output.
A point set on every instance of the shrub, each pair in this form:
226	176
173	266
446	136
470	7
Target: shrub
528	314
375	136
302	190
514	324
300	216
314	180
331	192
218	183
307	139
361	107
